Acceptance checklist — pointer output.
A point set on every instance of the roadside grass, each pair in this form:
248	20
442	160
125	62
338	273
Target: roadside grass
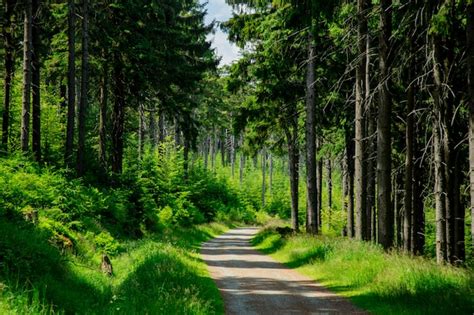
382	283
160	274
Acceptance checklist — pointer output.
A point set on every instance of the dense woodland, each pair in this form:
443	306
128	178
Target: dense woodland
352	118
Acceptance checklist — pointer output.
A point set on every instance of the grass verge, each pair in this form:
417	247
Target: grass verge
382	283
160	274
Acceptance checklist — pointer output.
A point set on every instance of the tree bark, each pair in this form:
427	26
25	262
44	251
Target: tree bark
9	64
264	176
103	104
36	81
384	159
118	117
470	62
83	104
349	173
141	131
291	134
417	200
27	74
71	106
311	184
360	132
409	135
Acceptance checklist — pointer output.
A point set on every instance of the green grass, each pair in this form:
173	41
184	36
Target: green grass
160	274
382	283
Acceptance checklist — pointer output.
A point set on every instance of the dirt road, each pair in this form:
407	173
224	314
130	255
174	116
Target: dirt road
253	283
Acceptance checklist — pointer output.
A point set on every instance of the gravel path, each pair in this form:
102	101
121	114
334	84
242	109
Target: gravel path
253	283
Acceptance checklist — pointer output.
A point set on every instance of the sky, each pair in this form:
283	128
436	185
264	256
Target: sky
218	10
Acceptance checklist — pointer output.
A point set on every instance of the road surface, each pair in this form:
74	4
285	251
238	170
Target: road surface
253	283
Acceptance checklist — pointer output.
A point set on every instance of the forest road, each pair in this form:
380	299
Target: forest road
253	283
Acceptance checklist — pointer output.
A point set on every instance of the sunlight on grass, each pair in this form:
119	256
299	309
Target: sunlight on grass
383	283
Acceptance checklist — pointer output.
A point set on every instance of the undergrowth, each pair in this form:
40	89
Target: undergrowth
382	283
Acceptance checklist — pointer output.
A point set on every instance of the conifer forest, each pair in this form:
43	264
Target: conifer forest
328	168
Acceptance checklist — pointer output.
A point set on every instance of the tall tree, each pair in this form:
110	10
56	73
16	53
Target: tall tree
27	74
83	104
311	184
36	81
470	62
360	175
9	64
71	83
384	157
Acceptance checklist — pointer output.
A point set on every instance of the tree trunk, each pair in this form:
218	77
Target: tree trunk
270	173
103	100
311	185
161	127
264	176
9	64
409	135
83	104
232	155
293	159
118	117
152	130
470	62
242	161
319	189
71	85
360	132
27	58
329	186
349	173
36	81
417	200
371	146
141	131
384	159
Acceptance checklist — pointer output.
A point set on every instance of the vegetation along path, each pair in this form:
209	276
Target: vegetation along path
253	283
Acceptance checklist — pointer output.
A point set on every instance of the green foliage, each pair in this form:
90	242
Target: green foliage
381	283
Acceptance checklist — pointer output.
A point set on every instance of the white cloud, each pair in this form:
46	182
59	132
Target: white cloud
219	11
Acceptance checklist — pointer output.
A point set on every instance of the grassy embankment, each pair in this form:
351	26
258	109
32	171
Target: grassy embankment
162	274
382	283
54	230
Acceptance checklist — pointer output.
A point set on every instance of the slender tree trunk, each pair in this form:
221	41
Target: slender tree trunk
371	146
9	64
311	185
319	189
232	155
103	100
329	186
186	149
71	106
270	171
83	104
459	212
417	200
36	82
242	161
161	127
349	173
141	131
409	135
470	62
152	130
264	176
118	117
360	132
293	159
439	129
206	151
27	74
384	159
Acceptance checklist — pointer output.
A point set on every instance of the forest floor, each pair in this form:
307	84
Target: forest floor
251	282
